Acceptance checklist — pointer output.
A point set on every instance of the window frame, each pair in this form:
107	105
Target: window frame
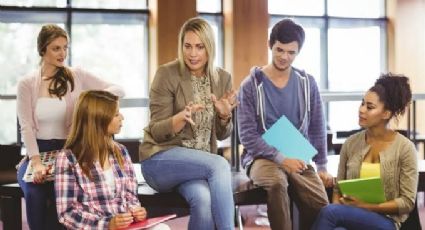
64	15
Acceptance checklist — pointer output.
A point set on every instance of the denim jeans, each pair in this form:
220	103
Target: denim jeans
40	198
202	178
336	216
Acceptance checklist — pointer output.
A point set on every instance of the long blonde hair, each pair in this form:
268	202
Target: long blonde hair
89	139
204	31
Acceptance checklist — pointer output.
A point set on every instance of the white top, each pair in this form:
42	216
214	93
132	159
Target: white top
50	114
109	178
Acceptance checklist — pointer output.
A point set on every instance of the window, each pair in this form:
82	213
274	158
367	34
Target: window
345	47
100	33
211	11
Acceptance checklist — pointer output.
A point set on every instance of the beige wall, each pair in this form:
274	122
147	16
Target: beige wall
245	29
407	47
165	19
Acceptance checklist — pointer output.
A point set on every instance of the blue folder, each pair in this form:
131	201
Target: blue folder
288	140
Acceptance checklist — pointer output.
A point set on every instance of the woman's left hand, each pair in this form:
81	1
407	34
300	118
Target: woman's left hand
225	104
139	213
350	200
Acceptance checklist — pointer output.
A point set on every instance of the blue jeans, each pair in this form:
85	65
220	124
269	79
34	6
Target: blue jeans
202	178
336	216
40	198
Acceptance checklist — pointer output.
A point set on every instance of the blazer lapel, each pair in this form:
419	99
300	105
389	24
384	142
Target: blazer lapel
186	85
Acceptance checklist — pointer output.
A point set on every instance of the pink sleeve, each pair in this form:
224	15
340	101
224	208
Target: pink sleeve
25	115
90	82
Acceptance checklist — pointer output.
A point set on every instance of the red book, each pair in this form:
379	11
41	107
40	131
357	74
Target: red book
150	222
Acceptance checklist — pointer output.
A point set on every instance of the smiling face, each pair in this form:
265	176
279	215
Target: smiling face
372	111
194	54
56	52
115	125
284	54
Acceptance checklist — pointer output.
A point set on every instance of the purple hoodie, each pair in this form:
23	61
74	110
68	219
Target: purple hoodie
251	119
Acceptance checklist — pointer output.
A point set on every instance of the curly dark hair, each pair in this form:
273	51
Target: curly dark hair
394	91
286	31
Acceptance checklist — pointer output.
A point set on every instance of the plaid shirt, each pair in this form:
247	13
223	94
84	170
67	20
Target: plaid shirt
85	204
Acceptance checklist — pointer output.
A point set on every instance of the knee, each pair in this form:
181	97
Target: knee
220	165
198	196
329	211
278	186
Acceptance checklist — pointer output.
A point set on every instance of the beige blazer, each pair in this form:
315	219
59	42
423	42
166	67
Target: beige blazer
399	170
170	92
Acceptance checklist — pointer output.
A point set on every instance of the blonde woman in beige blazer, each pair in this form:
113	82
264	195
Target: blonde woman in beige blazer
191	102
377	151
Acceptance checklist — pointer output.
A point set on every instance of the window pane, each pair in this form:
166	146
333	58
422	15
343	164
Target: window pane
217	26
8	122
297	7
208	6
26	3
356	8
344	115
19	42
135	120
309	58
354	58
114	52
110	4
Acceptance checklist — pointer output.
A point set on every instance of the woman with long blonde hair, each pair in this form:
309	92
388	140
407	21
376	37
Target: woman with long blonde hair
191	102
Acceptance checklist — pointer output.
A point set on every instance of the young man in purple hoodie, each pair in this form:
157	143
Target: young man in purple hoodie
266	94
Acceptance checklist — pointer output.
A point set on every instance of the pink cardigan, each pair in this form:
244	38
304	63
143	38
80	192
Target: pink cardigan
27	95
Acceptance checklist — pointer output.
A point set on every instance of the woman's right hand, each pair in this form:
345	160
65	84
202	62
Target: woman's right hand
185	116
121	220
39	170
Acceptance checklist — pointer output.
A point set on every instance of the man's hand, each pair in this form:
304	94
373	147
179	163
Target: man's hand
326	178
291	165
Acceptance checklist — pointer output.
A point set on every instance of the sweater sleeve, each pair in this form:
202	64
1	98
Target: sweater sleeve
248	124
90	82
25	115
317	128
408	178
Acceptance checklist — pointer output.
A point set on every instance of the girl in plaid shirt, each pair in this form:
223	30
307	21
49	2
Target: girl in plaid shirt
95	183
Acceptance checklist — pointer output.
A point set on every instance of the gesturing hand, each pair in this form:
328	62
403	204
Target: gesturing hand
189	109
225	104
